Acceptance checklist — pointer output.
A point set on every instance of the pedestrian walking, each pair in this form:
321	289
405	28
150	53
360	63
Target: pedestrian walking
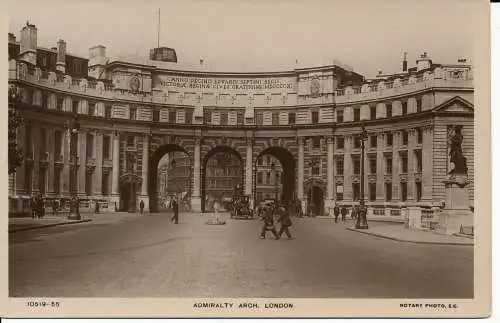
41	207
141	206
96	207
175	209
33	205
343	211
336	211
285	223
268	224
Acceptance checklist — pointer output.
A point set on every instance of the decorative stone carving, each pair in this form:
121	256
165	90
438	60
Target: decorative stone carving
38	73
52	78
457	158
23	70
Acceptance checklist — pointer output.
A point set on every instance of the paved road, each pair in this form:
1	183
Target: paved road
149	257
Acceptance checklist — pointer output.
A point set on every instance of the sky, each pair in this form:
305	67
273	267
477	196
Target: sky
368	36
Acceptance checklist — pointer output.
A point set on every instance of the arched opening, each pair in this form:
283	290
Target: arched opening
316	201
170	173
221	172
274	176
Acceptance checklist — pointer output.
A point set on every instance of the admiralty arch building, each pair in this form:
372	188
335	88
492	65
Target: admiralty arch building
132	112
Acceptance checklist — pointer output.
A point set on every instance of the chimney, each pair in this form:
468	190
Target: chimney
12	37
61	56
424	62
28	44
405	62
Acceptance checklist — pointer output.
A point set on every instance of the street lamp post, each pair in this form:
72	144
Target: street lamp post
361	222
257	161
74	213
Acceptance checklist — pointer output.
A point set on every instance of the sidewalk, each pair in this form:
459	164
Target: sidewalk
400	233
23	224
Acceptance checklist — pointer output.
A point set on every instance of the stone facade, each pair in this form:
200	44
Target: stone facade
308	119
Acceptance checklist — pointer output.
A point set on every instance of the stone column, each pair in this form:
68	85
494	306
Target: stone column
115	176
52	158
396	166
97	184
330	199
35	141
249	169
348	169
20	172
300	170
427	147
66	171
145	165
380	168
196	194
82	161
412	165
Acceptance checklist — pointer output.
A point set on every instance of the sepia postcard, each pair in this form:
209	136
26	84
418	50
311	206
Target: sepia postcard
247	159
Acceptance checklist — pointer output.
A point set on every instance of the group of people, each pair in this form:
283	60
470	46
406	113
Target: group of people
268	213
37	207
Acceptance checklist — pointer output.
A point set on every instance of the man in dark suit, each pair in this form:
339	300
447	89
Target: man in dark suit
175	209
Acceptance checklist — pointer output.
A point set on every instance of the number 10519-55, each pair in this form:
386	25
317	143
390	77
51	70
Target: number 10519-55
43	304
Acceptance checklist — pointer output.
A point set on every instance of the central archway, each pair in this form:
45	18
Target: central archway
153	171
287	179
224	168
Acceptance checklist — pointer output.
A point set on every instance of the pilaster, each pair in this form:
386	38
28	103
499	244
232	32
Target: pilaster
116	165
82	161
330	199
196	194
145	164
348	171
427	147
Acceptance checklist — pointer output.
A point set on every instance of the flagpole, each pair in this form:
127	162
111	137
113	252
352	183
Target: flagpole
158	28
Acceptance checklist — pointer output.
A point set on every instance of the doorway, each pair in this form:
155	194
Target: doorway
316	200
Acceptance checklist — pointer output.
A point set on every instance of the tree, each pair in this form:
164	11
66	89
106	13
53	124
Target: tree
15	155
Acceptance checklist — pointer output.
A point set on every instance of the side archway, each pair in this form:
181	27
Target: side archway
287	161
315	189
153	171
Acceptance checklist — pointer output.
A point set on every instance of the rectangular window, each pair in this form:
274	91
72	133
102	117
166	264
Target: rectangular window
404	164
91	111
156	115
240	116
389	139
276	118
418	189
357	114
188	116
42	142
133	113
339	165
223	118
58	138
357	142
316	167
419	105
108	109
316	142
28	146
172	116
388	165
41	180
28	179
106	147
418	155
355	191
372	188
419	136
388	111
259	118
315	117
90	145
373	166
268	178
74	106
105	184
340	192
291	117
60	102
45	100
404	192
404	138
340	142
88	184
130	140
340	116
373	112
404	108
373	141
388	191
356	166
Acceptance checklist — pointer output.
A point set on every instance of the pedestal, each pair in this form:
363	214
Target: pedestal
329	205
414	217
456	212
196	204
